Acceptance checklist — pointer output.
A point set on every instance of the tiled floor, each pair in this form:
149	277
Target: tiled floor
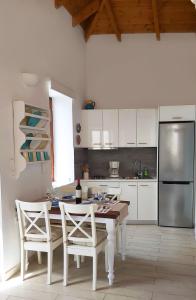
161	265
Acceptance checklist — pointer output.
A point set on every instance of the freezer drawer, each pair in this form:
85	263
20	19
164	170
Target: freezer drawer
176	204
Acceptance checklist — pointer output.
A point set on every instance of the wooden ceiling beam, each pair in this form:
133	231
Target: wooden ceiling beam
58	3
112	19
94	21
156	19
86	12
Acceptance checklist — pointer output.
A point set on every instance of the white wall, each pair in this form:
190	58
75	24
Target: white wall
140	71
35	37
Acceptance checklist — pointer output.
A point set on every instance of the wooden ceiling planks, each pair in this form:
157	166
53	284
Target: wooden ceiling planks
88	10
131	16
156	18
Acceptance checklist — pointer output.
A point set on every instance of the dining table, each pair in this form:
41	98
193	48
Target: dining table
114	219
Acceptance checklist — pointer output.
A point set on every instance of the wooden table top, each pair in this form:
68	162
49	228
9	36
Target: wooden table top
118	210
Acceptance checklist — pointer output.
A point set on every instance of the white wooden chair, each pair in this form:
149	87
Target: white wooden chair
36	237
115	192
81	240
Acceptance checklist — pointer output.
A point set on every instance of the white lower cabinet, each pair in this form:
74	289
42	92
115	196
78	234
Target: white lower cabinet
103	185
147	201
141	195
129	193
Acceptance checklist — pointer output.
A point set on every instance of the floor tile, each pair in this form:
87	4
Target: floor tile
160	265
159	296
16	298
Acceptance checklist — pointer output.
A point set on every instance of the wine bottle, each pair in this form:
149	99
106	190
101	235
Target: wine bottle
78	192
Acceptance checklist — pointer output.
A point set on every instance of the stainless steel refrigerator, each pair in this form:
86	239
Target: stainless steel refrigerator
176	174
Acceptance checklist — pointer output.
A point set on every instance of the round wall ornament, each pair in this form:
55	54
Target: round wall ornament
78	127
78	139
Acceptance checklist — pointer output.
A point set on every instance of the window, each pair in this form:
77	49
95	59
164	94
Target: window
62	150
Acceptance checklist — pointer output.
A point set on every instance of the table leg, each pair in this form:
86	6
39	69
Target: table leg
111	237
123	238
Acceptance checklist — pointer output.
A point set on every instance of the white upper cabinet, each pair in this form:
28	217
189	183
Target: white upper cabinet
177	113
147	128
113	128
147	201
110	128
91	135
127	127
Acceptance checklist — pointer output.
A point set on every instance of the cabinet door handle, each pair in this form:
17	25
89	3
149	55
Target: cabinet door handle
177	118
143	143
108	143
132	185
103	185
96	144
144	185
131	143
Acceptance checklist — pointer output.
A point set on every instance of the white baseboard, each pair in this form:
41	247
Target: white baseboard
8	274
142	222
11	272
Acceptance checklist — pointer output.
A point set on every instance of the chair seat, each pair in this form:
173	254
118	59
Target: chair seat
56	234
101	236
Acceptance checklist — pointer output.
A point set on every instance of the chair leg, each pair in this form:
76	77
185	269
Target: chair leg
22	262
26	261
95	257
78	261
66	266
82	258
106	258
50	260
39	257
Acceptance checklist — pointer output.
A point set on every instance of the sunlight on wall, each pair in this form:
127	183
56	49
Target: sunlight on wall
63	140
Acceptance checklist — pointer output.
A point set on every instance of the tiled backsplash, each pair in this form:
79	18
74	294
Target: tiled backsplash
98	161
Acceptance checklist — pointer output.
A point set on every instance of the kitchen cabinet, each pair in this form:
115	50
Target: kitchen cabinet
147	201
177	113
103	185
110	128
129	193
91	134
113	128
142	196
127	127
147	128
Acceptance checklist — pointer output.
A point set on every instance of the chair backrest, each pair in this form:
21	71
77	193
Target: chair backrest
115	191
28	226
79	232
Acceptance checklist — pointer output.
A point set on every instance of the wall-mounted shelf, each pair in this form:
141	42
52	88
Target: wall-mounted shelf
31	135
37	162
37	116
37	139
31	128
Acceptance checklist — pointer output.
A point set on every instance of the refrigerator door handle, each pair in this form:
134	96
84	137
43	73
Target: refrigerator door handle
176	182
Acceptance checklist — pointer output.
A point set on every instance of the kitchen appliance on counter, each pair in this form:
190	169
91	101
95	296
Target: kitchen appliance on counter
114	169
176	174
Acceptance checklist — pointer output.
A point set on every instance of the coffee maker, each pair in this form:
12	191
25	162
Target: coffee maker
114	169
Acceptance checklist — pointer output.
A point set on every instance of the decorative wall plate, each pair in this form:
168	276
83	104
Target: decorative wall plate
78	139
78	127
